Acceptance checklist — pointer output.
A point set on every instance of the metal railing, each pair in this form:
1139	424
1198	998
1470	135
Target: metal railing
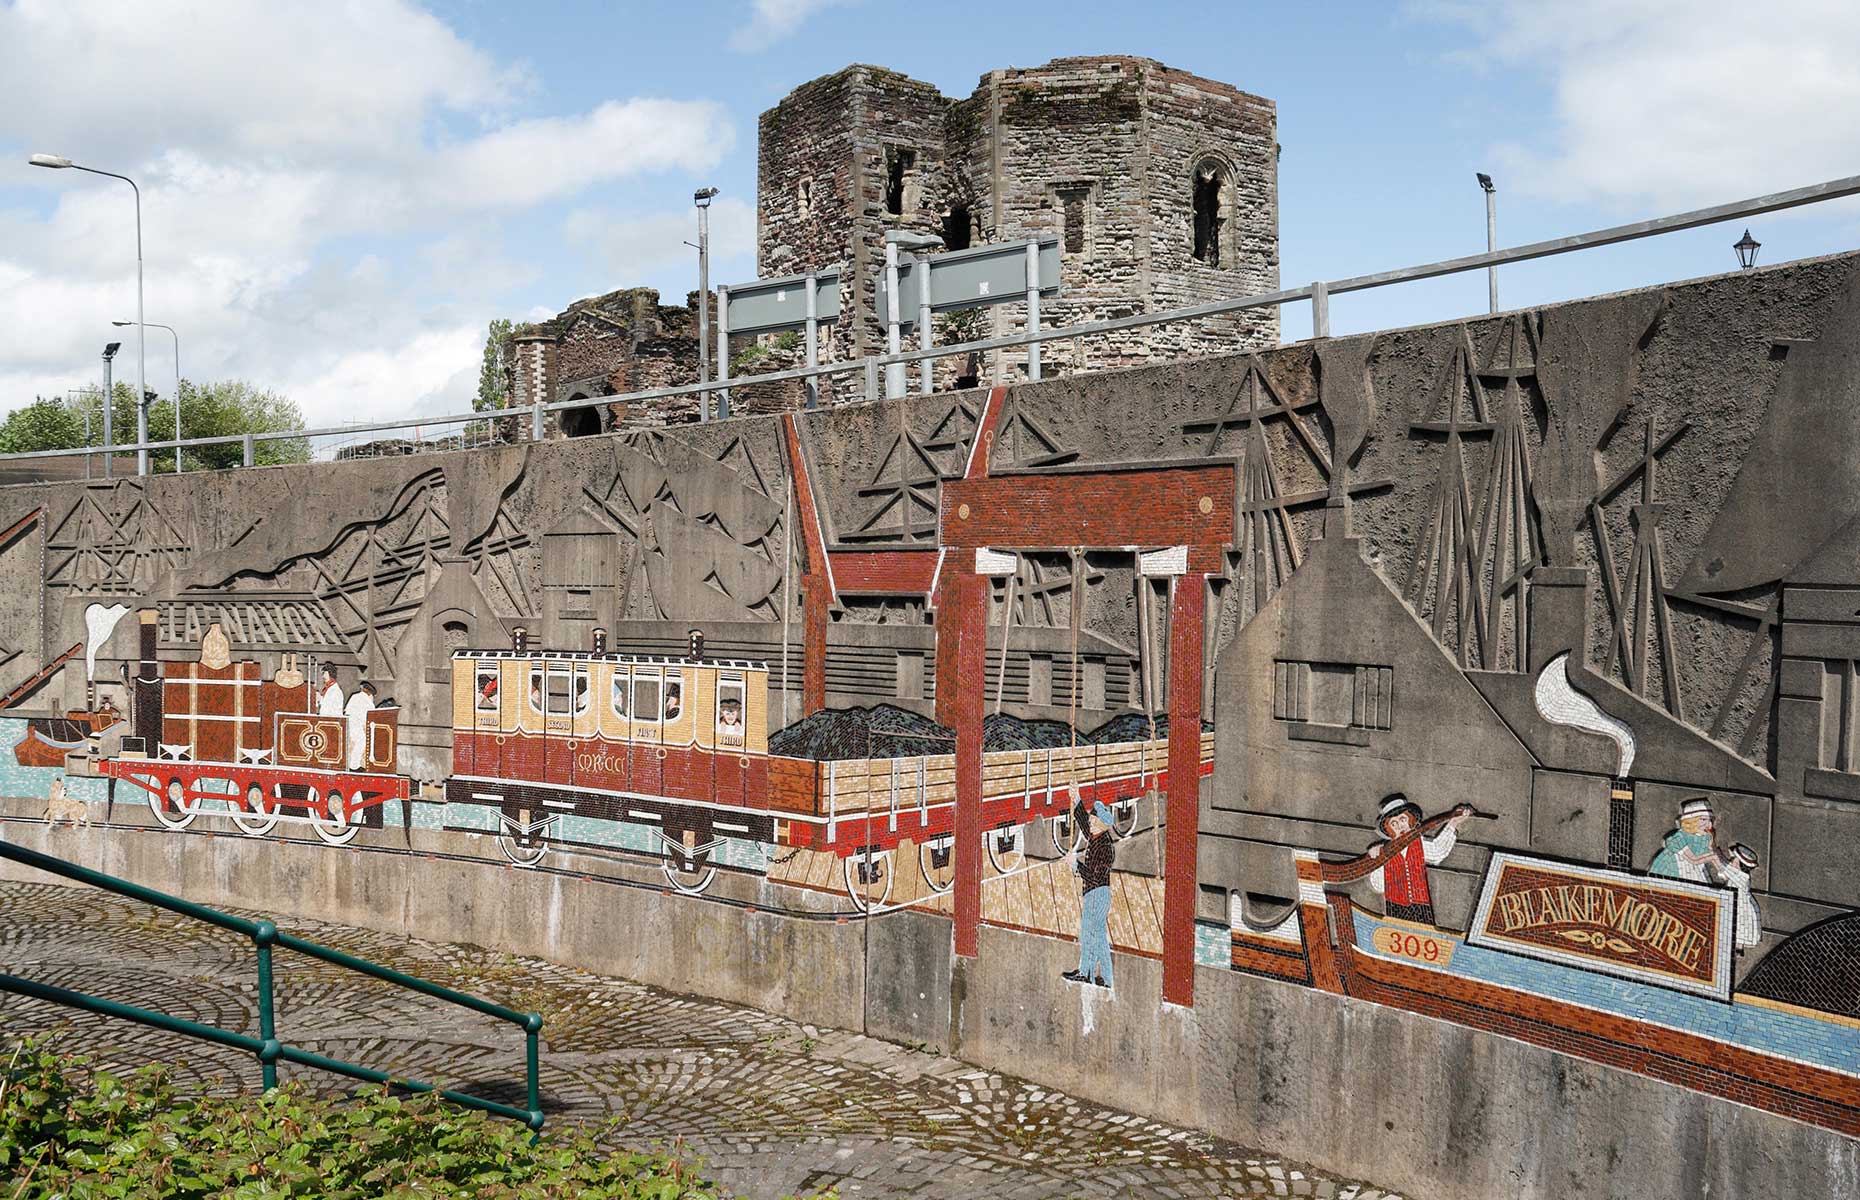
872	366
267	1047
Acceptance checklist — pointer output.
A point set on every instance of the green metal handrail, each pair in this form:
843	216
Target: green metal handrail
266	1047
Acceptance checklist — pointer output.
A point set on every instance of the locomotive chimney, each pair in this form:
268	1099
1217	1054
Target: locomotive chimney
600	640
519	639
697	644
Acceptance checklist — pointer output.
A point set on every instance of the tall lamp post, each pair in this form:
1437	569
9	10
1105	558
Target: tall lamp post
109	398
177	381
1491	233
702	198
57	162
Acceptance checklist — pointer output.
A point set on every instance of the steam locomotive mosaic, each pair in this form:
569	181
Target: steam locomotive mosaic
670	758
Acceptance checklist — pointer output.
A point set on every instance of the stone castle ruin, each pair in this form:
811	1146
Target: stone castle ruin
1161	186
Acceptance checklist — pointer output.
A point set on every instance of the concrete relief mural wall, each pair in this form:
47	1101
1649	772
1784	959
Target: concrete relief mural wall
1502	672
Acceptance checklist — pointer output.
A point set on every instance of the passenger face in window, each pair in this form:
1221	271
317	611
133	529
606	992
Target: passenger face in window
674	700
730	714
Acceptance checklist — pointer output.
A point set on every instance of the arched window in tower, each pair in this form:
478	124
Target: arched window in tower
804	197
900	180
1213	199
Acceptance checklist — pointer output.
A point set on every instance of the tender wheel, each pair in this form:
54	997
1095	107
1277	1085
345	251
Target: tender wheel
1065	837
1007	848
936	858
340	825
523	851
1124	816
173	808
868	877
260	814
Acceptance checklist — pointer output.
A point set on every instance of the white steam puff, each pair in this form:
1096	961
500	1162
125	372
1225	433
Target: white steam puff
99	622
1561	704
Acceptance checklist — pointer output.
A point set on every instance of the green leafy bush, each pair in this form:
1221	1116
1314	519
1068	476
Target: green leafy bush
67	1133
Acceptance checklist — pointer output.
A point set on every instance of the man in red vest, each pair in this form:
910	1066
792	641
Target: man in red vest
1402	877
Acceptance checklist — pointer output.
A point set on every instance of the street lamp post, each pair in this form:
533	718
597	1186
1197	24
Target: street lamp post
1491	233
109	443
702	198
177	382
57	162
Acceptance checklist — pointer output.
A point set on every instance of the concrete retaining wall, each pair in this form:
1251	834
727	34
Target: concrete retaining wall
1436	1110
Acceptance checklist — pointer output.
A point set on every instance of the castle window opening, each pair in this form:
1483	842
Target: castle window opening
899	167
804	197
1213	197
1072	203
957	228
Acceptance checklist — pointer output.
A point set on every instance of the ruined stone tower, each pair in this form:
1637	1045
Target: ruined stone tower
1162	187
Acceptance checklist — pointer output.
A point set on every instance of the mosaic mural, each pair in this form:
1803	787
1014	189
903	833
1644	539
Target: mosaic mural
1503	672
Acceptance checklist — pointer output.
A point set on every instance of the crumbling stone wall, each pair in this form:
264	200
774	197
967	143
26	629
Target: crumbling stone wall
1101	152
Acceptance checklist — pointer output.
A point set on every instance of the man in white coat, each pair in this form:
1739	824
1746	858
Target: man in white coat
329	694
355	735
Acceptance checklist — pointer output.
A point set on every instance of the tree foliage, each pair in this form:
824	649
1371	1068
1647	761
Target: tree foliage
227	408
492	376
68	1132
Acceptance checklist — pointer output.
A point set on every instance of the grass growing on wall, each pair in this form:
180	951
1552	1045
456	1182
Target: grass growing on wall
70	1132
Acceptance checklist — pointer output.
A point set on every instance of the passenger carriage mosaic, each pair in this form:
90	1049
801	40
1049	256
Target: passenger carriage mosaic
1503	672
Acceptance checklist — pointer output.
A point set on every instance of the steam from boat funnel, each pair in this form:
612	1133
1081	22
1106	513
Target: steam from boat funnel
1561	704
99	623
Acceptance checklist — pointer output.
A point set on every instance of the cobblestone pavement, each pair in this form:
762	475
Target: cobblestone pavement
770	1105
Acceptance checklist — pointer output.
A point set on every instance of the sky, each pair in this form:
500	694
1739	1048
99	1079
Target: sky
337	198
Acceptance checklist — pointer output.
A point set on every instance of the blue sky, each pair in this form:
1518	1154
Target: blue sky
338	197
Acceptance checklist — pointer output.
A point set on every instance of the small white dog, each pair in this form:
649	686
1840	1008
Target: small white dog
60	807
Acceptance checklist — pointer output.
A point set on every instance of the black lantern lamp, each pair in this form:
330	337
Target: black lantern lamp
1746	248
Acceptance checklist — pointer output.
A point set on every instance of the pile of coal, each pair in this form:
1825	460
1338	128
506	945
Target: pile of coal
881	731
1002	732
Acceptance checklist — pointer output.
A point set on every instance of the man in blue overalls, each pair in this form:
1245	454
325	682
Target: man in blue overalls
1094	868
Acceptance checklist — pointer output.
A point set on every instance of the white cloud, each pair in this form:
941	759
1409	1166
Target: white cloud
635	245
1681	102
772	20
270	142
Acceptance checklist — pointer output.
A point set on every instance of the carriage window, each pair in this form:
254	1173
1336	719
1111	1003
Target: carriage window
559	692
584	696
536	689
619	692
645	697
674	696
730	711
487	687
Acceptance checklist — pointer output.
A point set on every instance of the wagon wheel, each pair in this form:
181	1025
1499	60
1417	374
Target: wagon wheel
341	823
688	871
525	850
260	814
1007	848
1124	816
1066	838
868	877
936	858
173	807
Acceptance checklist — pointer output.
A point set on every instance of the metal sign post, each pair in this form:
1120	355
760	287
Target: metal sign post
894	372
928	383
980	276
785	304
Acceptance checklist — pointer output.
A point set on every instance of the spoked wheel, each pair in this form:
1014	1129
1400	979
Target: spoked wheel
936	858
523	849
868	877
341	823
687	869
1124	816
260	814
1007	848
173	807
1066	836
